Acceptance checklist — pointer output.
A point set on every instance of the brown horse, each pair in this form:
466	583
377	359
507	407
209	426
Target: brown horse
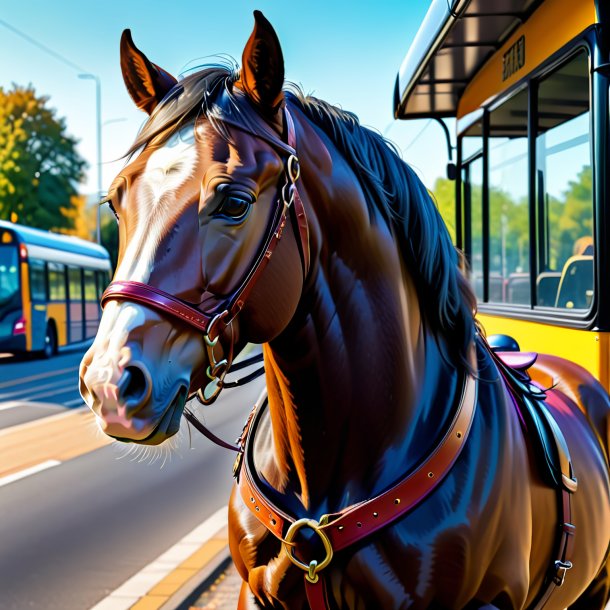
372	356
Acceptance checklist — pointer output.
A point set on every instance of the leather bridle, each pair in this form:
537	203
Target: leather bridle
213	323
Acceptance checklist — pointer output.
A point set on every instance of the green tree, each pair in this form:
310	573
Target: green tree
39	165
443	194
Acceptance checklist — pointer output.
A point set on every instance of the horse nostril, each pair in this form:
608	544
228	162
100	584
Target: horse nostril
134	386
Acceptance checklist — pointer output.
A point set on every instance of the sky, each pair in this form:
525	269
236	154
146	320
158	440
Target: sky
347	53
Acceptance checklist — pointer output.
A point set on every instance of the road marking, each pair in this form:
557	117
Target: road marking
39	389
22	380
76	401
58	437
26	472
38	422
69	386
147	579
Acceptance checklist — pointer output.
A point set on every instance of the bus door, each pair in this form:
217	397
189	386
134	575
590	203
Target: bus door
92	306
75	294
10	293
471	177
38	296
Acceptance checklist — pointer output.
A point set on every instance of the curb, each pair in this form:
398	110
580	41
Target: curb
170	580
189	578
186	597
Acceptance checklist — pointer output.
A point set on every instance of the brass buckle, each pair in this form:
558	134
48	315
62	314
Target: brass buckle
561	567
293	169
216	370
313	567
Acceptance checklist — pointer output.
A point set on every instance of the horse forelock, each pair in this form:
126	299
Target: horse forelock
390	185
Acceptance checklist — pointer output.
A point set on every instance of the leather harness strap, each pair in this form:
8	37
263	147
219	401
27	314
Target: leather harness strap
340	530
565	548
530	403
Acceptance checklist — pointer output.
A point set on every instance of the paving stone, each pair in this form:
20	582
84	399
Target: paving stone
223	593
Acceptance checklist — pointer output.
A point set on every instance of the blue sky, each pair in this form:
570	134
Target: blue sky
347	53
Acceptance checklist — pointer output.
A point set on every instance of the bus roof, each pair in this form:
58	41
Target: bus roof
455	39
56	241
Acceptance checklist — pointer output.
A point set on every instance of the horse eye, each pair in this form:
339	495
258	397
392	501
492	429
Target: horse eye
234	207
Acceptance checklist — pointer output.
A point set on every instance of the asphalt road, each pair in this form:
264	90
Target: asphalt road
72	534
31	388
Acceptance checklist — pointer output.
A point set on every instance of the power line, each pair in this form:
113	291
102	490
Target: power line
42	46
418	135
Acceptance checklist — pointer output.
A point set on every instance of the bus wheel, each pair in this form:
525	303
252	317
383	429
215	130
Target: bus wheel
50	341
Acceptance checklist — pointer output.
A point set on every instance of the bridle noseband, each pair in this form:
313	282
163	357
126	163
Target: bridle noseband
212	324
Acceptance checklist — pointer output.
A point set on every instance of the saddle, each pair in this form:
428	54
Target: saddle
547	439
549	445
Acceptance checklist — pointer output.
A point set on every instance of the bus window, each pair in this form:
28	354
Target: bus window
9	274
564	194
57	282
75	293
92	309
509	241
472	198
38	281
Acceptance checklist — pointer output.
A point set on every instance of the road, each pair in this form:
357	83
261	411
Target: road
32	388
76	531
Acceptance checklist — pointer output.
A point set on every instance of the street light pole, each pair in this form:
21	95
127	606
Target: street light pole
98	113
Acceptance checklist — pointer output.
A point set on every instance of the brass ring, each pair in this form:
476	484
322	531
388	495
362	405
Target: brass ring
293	168
312	568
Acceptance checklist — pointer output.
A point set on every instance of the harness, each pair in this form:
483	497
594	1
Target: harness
349	526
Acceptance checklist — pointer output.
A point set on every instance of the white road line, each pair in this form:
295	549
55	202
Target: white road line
69	386
141	583
41	388
22	380
43	421
26	472
73	403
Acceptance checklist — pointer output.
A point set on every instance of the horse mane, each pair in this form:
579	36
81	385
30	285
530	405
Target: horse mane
390	185
446	298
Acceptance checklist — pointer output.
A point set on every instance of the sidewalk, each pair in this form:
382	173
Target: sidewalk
219	592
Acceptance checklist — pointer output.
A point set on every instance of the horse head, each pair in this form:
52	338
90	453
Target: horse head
206	188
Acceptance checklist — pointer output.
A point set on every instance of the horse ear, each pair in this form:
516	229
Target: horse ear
262	71
146	82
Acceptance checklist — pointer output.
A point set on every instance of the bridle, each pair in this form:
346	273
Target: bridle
214	322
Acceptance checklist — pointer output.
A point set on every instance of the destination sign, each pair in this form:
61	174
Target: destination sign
514	58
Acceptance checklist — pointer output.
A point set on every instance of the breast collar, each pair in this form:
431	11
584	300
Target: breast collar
354	523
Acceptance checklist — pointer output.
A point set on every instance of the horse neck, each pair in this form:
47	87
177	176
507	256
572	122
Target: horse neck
350	379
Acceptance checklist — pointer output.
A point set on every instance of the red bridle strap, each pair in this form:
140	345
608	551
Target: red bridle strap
137	292
212	324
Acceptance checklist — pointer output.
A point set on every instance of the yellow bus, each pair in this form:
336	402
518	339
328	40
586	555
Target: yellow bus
527	82
50	286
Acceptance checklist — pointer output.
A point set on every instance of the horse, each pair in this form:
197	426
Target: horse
391	465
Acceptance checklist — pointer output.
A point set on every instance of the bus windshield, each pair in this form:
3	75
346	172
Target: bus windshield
9	268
